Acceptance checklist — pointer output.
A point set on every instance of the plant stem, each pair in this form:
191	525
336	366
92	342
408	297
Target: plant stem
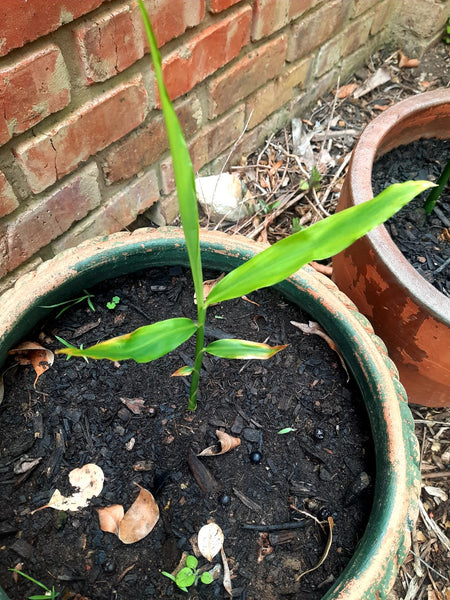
199	344
436	192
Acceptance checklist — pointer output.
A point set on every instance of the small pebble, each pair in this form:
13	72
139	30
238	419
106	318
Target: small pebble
255	457
109	566
224	499
319	434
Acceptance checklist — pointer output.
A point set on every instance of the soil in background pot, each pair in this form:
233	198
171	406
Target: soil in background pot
423	240
76	415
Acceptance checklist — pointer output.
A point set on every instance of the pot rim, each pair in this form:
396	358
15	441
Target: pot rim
384	545
364	155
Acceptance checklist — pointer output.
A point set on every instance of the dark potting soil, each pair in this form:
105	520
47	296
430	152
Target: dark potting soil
75	416
423	240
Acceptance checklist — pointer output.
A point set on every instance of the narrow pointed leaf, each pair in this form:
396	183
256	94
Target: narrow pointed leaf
321	240
242	349
182	165
183	371
142	345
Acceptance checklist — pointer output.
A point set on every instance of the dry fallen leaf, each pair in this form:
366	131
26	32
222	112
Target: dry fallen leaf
88	479
346	90
406	63
136	523
208	286
381	75
139	519
226	573
136	405
210	540
31	353
316	329
265	547
110	518
227	443
437	492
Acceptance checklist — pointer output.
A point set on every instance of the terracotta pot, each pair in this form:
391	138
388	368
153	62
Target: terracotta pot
373	568
407	312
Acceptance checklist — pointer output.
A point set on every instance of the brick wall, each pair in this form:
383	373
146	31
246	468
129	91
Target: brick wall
82	143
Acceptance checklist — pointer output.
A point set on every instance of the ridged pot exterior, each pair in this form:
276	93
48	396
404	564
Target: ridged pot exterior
373	568
408	313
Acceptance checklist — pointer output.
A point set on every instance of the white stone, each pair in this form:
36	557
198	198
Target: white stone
220	196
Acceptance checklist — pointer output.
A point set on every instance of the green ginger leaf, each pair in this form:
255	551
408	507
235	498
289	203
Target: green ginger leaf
242	349
142	345
322	240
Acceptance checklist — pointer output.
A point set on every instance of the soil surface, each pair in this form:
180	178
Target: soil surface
423	240
76	415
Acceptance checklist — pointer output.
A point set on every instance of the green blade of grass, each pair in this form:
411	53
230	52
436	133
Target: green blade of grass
321	240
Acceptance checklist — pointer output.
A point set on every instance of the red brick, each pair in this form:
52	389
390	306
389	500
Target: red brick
31	89
354	36
145	146
49	156
383	14
8	200
317	28
217	6
52	215
111	42
245	76
24	21
118	212
207	145
206	52
298	7
277	93
269	16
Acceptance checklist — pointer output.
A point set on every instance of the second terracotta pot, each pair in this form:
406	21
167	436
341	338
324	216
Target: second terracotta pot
408	313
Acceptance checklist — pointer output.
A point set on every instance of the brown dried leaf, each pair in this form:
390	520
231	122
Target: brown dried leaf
406	63
346	90
139	519
210	540
226	574
227	443
265	547
208	286
381	76
136	405
110	518
31	353
88	479
316	329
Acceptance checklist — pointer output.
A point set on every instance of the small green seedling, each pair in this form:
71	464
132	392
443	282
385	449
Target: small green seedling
114	302
49	594
189	575
320	241
313	183
433	196
69	303
286	430
447	32
296	227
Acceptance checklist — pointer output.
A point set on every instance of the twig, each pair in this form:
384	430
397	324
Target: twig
277	527
436	474
336	177
432	525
